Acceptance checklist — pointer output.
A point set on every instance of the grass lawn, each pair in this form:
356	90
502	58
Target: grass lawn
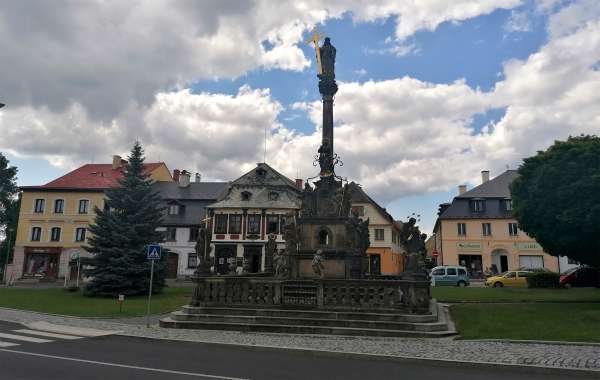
59	301
538	321
454	294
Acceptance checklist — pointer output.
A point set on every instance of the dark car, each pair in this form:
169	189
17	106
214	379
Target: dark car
580	276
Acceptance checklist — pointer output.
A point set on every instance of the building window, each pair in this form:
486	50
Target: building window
462	229
246	195
507	204
39	206
358	210
487	229
193	234
192	260
254	224
379	234
55	234
174	209
80	234
171	233
36	234
235	224
84	206
478	205
221	223
513	229
273	224
59	206
323	237
393	236
273	195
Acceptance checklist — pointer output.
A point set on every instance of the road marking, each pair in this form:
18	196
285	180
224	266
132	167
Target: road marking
6	344
159	370
24	338
47	334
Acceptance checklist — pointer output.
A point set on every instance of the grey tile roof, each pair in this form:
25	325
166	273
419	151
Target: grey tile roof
493	192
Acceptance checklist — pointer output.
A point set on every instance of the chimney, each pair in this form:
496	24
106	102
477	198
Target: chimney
116	162
299	183
184	179
485	176
198	177
462	189
176	174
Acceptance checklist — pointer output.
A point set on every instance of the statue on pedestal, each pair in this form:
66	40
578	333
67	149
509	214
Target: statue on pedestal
270	250
280	261
414	244
317	263
203	249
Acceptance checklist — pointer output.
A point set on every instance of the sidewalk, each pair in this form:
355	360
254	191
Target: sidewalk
529	354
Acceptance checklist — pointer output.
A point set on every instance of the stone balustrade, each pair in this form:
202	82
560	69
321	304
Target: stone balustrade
346	294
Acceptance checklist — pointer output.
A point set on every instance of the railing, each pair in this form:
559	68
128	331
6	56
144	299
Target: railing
410	295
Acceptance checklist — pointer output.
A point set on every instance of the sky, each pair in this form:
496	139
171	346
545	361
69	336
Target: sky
430	93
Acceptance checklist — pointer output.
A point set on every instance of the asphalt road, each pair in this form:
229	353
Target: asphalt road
117	357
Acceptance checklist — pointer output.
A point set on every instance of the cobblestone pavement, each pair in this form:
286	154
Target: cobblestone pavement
545	355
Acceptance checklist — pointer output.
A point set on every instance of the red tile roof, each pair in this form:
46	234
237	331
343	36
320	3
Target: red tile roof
91	176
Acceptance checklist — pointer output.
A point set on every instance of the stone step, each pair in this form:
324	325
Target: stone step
300	329
315	314
300	321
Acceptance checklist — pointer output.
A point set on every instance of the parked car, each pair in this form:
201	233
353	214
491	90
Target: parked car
580	276
516	278
449	276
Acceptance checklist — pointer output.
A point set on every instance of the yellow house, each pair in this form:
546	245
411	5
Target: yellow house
477	230
54	217
385	251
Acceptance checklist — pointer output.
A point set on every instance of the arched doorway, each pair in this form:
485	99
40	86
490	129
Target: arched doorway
499	260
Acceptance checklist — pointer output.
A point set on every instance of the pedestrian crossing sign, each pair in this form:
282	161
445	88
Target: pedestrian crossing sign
153	252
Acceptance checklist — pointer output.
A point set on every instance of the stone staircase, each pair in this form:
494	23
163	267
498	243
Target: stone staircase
295	321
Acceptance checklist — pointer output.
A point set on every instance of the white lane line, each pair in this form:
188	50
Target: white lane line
159	370
24	338
6	344
47	334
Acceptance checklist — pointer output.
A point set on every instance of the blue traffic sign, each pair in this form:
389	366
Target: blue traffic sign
153	252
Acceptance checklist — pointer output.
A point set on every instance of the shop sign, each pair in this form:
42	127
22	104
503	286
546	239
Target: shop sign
469	246
532	246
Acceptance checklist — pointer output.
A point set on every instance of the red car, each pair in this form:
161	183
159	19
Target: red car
580	276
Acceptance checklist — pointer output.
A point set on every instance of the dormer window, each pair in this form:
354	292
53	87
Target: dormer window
273	195
507	204
261	172
246	195
478	205
174	209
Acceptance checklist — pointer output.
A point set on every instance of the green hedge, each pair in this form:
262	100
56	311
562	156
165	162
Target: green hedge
543	280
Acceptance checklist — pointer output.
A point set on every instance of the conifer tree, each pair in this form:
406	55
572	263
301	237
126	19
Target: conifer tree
121	232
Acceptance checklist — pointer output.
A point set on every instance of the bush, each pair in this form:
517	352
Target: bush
543	280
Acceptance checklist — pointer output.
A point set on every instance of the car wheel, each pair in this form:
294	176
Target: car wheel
462	284
498	284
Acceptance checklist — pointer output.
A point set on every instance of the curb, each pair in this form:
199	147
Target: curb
527	341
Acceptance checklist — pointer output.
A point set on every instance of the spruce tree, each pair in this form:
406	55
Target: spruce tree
121	232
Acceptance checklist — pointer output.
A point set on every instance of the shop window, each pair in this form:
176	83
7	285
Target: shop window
55	234
273	224
235	224
379	234
192	260
171	233
80	234
462	229
221	223
36	234
59	206
253	224
84	206
39	206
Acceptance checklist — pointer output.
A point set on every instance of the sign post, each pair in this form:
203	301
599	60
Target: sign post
152	253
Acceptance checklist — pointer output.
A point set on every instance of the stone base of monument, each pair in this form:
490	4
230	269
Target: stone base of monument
318	306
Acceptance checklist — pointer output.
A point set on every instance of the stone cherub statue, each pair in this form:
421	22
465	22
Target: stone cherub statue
317	263
203	249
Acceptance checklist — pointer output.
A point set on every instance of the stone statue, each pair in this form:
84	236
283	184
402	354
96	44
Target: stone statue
413	242
317	263
307	201
270	249
363	236
326	158
203	249
281	264
327	59
342	197
291	235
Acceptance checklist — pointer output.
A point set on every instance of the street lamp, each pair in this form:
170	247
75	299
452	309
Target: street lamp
8	231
